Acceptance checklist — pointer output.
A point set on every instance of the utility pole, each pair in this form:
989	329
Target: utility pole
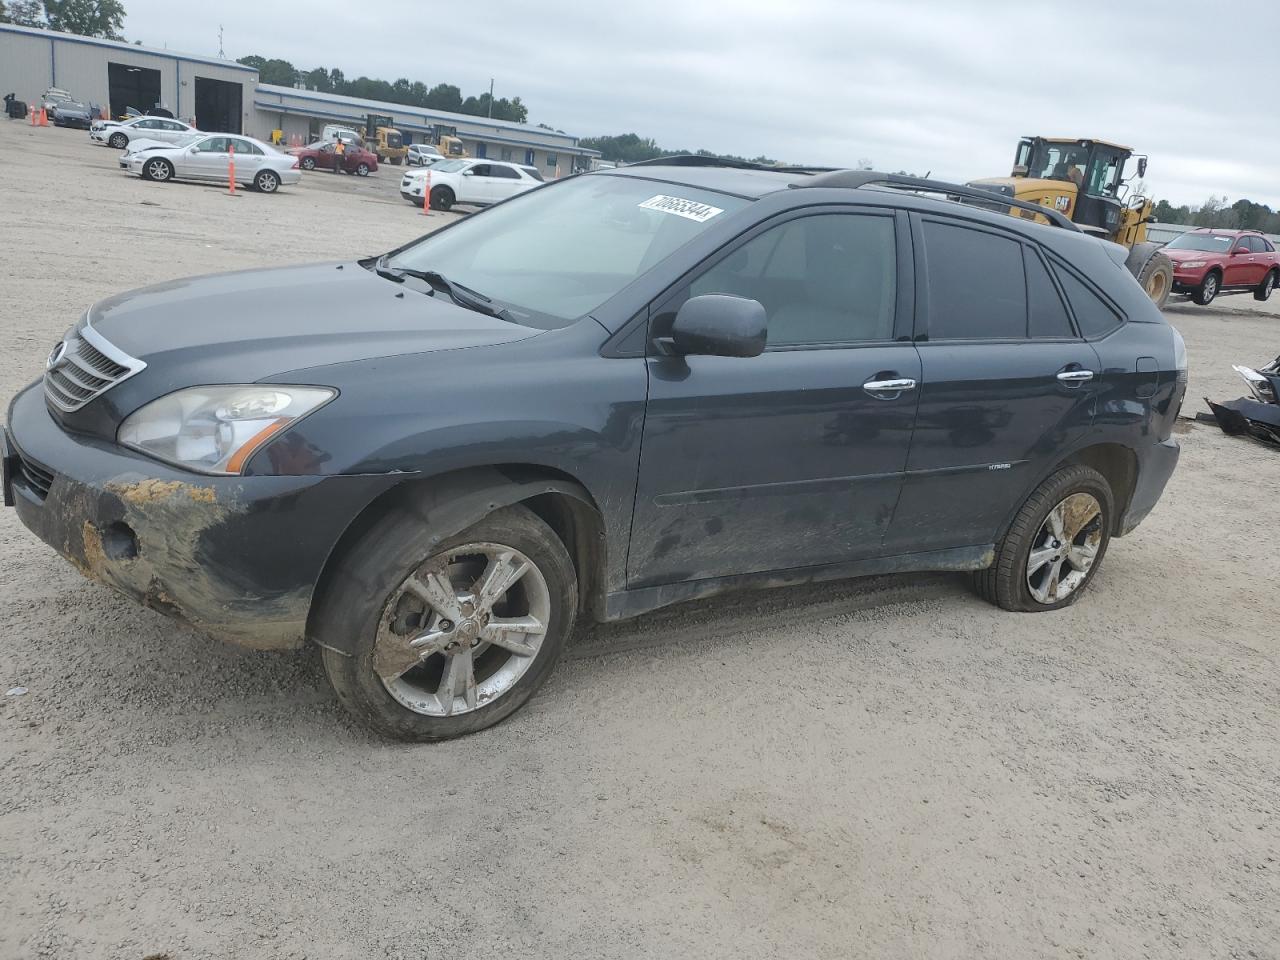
491	98
222	55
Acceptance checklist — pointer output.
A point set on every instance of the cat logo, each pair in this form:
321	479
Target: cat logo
1061	203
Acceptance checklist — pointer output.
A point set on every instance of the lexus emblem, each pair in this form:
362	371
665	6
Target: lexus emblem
55	357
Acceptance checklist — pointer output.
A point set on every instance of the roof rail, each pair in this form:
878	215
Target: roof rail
866	178
699	160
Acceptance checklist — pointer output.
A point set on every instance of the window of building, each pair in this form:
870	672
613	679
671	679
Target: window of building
507	153
482	150
528	158
553	161
830	278
977	284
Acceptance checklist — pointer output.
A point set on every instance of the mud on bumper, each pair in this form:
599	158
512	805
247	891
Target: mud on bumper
235	557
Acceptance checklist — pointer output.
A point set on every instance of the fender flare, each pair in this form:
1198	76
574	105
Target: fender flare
445	505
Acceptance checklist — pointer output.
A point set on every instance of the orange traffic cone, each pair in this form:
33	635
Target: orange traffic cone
44	117
426	196
31	112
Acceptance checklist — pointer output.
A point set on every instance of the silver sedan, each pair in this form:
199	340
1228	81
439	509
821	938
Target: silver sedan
208	157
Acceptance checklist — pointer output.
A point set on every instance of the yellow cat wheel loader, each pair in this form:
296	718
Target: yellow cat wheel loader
1084	180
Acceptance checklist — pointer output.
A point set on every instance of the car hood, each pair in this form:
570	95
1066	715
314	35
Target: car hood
246	326
73	109
1178	254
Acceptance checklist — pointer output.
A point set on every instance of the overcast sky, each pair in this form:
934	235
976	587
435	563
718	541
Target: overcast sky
945	86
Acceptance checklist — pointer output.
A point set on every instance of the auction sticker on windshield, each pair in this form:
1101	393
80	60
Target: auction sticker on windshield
689	209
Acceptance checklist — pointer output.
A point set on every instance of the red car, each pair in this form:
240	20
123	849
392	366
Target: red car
1206	262
356	160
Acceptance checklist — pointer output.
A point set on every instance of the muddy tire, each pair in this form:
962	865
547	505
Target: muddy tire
1208	289
1263	290
1156	278
1054	546
426	617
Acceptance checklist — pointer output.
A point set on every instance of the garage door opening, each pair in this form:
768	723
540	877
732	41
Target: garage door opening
218	105
137	87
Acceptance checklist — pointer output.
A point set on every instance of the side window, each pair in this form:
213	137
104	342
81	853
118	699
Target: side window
828	278
977	285
245	147
148	124
1266	245
1257	244
503	173
481	170
213	145
1242	244
170	125
1046	316
1093	315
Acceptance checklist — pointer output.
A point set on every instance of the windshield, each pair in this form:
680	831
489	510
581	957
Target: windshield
451	166
1058	161
188	139
556	253
1211	242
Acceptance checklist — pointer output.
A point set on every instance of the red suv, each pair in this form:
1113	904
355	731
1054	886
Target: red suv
1205	262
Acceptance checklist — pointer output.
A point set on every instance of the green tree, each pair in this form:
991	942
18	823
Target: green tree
24	13
280	72
318	79
89	18
444	96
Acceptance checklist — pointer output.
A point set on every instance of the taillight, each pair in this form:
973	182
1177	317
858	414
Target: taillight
296	163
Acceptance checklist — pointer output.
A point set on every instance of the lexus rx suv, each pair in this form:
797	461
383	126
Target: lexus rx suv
624	390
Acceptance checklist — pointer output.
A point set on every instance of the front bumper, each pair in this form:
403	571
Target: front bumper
1154	472
1188	279
236	557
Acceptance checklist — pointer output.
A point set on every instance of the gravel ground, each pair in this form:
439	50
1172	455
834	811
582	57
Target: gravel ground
886	768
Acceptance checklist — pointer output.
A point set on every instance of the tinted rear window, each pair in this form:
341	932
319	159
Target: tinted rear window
977	286
1047	317
1094	316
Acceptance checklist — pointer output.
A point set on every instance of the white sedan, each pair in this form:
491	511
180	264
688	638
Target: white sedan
469	181
118	133
207	157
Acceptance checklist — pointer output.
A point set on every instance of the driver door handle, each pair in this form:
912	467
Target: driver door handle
888	389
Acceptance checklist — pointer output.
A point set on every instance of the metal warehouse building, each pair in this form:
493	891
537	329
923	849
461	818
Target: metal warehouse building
224	96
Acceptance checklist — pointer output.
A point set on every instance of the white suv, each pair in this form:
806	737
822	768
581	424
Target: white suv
422	154
469	181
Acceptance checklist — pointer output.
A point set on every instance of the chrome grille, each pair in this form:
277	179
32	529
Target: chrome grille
84	366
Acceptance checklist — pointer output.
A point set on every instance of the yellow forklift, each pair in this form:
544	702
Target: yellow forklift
1084	180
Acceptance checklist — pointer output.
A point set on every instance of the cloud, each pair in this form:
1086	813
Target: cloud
929	85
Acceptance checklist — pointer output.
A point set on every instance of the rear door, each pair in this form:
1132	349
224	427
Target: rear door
1007	383
793	458
249	157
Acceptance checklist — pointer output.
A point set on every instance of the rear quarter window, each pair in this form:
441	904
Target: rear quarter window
1094	316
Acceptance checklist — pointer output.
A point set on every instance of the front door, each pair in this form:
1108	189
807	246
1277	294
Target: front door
477	184
206	160
793	458
1007	384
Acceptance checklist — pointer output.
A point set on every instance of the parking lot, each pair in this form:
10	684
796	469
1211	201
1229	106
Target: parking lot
887	768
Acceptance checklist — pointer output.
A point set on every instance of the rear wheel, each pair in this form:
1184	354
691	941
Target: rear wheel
308	163
453	637
158	169
1263	290
118	140
267	181
1208	289
441	198
362	169
1054	545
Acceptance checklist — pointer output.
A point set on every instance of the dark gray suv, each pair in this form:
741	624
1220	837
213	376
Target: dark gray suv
615	392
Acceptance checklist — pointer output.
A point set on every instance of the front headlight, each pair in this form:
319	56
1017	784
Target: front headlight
216	429
1191	263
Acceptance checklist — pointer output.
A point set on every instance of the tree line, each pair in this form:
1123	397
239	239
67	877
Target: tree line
411	93
1216	212
632	148
89	18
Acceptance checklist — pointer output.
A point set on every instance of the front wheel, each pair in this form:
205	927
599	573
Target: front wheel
158	169
308	163
1054	545
1263	290
267	181
362	169
118	140
441	198
452	638
1208	289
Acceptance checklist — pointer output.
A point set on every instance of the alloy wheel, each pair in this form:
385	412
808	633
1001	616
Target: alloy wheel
1065	548
158	170
462	629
